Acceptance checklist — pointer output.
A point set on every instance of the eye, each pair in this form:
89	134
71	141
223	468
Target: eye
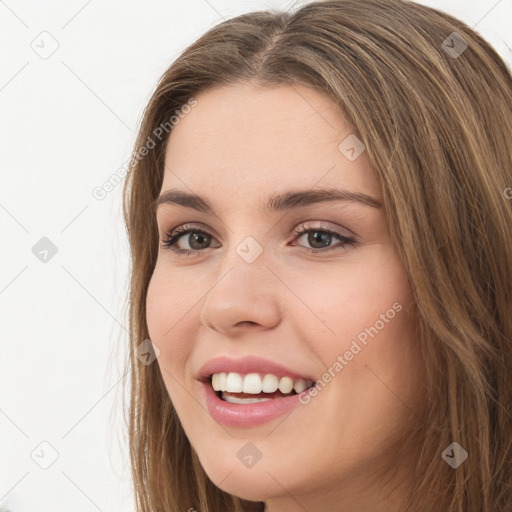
319	238
196	240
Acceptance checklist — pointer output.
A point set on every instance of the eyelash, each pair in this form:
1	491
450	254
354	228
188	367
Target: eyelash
173	236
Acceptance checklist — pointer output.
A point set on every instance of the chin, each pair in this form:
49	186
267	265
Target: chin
252	484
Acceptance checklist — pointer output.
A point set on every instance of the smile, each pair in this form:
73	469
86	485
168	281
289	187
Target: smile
234	387
250	391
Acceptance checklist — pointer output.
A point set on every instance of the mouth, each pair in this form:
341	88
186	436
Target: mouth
252	388
249	391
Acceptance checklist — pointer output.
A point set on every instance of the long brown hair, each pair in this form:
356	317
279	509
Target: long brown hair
432	102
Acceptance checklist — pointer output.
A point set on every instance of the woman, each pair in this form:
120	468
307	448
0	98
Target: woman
322	259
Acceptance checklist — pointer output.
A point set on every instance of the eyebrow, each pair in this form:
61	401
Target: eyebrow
276	202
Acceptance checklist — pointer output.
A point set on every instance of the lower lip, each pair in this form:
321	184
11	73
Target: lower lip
247	415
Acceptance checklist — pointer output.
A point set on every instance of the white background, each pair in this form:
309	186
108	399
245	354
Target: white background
67	123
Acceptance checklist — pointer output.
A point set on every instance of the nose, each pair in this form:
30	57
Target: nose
243	296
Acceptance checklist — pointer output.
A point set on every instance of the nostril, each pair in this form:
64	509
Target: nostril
245	322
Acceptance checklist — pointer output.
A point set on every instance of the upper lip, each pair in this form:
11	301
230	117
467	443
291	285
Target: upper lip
247	364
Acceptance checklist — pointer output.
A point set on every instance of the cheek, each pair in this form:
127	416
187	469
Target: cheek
365	310
167	308
170	299
349	296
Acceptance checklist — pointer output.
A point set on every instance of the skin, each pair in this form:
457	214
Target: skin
239	145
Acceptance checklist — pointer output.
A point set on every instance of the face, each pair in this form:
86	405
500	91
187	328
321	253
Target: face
265	276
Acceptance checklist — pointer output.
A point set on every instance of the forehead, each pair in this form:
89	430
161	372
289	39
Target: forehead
250	139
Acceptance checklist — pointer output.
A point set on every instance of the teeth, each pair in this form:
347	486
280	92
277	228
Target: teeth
235	400
223	380
234	383
270	383
300	385
253	384
216	382
285	385
219	381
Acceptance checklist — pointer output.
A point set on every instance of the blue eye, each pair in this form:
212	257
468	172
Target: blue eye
198	240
